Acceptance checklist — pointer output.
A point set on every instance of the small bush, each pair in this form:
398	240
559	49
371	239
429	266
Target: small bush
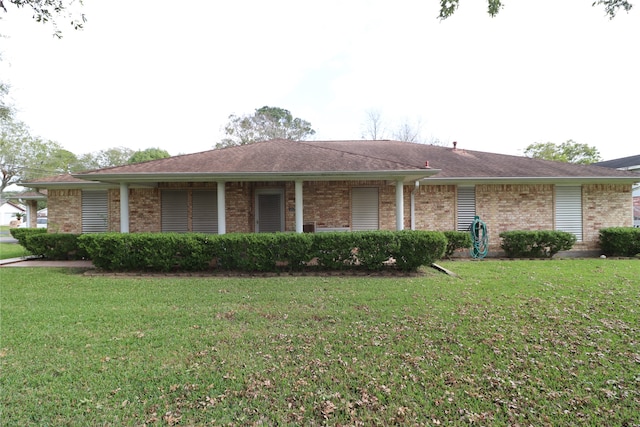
536	244
620	241
457	240
21	234
417	248
55	246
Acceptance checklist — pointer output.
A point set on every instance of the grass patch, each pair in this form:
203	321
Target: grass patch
12	250
517	342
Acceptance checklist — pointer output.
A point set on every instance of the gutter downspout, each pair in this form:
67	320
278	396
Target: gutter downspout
413	205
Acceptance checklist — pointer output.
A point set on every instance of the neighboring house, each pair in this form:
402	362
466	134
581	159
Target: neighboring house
30	199
8	211
282	185
631	163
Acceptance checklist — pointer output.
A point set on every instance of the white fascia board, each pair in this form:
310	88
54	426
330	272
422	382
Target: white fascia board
528	180
407	175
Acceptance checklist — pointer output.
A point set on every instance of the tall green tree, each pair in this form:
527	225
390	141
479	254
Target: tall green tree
24	157
611	7
148	155
569	151
264	124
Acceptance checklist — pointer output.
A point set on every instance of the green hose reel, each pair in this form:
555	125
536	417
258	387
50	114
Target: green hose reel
479	238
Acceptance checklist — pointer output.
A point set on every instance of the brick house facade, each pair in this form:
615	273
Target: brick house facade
525	197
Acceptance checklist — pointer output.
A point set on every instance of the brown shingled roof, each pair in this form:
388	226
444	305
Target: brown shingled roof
358	159
277	156
459	163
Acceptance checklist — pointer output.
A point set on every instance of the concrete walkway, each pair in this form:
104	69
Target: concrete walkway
39	262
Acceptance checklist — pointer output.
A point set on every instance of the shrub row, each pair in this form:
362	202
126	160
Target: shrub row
620	241
403	250
536	244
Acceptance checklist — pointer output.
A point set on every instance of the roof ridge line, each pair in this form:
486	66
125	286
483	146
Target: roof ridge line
362	155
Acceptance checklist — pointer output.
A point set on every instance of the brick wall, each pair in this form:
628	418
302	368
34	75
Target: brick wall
435	207
327	203
604	205
144	210
239	207
113	216
502	206
506	207
64	211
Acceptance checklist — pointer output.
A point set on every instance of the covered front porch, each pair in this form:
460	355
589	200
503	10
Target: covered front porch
264	206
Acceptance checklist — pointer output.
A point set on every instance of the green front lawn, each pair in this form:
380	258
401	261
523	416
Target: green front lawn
12	250
508	343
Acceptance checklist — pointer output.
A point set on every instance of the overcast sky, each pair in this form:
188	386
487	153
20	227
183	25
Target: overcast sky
167	74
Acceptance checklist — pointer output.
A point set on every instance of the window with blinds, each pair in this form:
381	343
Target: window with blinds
95	211
174	211
269	212
569	210
364	209
466	202
205	211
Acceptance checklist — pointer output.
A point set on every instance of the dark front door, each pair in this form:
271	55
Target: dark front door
269	212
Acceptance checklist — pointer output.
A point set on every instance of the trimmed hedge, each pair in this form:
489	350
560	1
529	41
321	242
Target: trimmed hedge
536	244
21	234
260	252
620	241
58	246
147	251
375	250
457	240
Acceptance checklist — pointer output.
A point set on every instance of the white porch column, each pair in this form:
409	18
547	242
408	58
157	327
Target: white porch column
222	208
399	205
124	207
299	207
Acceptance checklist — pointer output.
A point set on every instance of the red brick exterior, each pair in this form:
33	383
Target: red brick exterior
605	206
507	207
328	204
64	211
435	207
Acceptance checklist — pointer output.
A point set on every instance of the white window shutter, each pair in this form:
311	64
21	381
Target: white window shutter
569	210
364	209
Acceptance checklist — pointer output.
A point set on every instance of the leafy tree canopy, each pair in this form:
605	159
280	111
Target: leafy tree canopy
115	156
569	151
24	157
51	11
148	154
264	124
611	7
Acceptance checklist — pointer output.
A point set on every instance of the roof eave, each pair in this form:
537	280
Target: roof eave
66	185
532	180
405	175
